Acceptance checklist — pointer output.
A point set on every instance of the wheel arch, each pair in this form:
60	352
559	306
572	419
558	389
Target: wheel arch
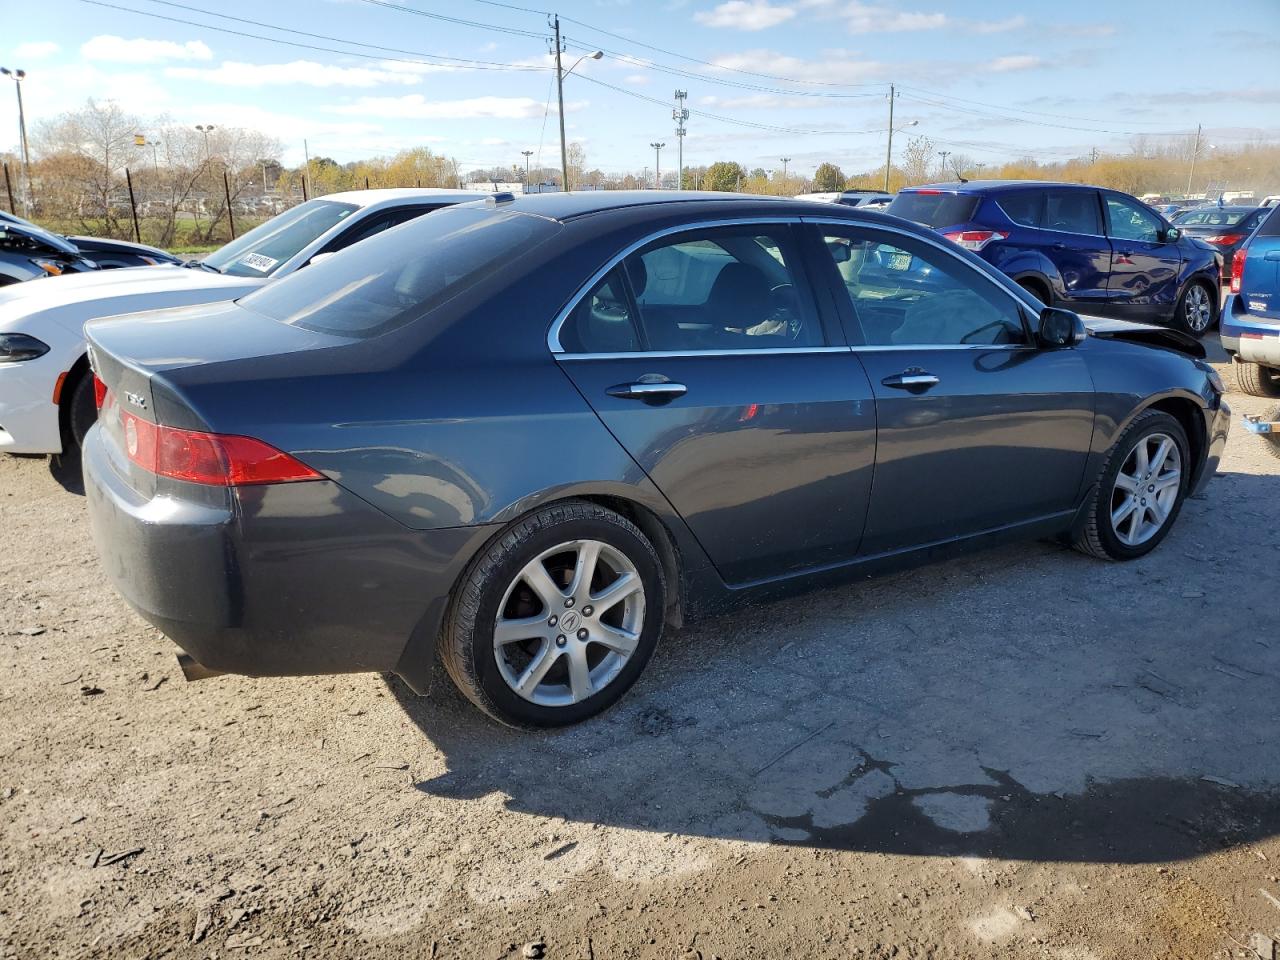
1041	283
1189	413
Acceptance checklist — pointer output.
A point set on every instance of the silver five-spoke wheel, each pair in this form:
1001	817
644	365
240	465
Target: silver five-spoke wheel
1146	489
569	623
1198	309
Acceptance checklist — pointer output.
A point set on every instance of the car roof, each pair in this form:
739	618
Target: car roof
980	186
575	204
399	195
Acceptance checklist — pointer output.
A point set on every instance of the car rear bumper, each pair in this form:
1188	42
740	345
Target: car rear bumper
28	416
1251	338
287	579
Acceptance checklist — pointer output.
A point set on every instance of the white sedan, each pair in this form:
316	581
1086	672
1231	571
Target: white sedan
46	389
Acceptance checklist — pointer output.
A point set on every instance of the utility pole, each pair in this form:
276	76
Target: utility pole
888	154
526	154
680	115
785	161
306	173
1194	153
564	150
944	154
18	76
657	165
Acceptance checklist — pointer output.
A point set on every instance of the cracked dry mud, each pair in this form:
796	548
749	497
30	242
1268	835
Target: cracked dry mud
1023	753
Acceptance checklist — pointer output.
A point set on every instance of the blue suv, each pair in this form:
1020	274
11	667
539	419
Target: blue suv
1088	249
1251	319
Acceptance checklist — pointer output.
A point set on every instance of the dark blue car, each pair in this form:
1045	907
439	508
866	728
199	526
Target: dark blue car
1086	248
524	435
1251	320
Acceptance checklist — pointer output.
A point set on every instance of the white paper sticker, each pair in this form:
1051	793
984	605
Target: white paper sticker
256	261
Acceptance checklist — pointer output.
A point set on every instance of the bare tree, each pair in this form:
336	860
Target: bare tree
915	160
89	148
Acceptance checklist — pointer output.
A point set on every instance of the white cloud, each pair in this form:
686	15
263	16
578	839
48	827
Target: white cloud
1022	61
999	26
869	18
415	106
745	15
106	47
636	79
831	66
35	50
305	72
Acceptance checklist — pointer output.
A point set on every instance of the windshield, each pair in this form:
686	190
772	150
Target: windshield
386	281
15	226
261	251
933	209
1213	216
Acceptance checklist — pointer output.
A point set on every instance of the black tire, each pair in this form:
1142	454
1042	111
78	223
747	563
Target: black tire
467	646
1271	441
1188	324
1257	380
82	410
1038	291
1097	535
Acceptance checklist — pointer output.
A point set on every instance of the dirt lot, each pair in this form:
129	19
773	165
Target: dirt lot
1025	753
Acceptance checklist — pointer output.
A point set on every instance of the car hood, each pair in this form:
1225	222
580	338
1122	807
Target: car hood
69	301
1144	333
124	246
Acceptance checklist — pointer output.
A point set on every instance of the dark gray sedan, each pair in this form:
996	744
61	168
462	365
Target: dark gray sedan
525	435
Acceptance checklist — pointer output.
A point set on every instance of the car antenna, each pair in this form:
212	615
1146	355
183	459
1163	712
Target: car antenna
962	179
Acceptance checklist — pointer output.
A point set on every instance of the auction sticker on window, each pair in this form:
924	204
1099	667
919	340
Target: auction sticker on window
256	261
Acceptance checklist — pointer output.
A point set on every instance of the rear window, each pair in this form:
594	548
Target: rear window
934	209
1271	226
401	274
1213	216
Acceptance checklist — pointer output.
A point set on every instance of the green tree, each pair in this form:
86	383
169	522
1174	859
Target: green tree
723	175
828	177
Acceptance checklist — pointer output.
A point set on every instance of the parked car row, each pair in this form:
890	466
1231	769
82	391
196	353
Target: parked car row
28	252
46	403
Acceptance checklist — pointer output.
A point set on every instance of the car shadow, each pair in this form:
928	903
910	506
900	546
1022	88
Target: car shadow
1023	703
66	470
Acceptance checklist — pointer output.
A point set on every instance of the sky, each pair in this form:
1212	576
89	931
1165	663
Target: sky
766	79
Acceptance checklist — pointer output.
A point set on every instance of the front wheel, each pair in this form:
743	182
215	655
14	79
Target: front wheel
1196	311
1140	490
556	619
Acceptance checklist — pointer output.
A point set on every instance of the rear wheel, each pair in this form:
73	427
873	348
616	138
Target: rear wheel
1140	490
1257	380
1196	311
557	617
82	409
1038	291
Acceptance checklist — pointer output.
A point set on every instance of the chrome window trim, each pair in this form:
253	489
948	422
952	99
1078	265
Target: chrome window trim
553	335
667	354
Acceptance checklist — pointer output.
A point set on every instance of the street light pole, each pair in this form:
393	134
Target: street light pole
785	161
561	73
526	154
18	76
888	154
1195	152
657	165
944	154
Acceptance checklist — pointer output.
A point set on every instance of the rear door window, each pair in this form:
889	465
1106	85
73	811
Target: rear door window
934	208
1072	211
1024	207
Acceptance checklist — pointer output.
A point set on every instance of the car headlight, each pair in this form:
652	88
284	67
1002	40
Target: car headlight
15	347
1212	375
52	267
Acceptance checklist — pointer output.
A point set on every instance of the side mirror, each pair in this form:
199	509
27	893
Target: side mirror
1172	234
1060	328
841	250
320	258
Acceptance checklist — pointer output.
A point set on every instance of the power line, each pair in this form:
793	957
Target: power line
994	106
469	64
1024	120
321	36
461	21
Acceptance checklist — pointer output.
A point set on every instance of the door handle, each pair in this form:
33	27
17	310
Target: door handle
652	390
911	380
1271	255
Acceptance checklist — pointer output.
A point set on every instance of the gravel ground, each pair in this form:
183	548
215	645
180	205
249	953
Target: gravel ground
1023	753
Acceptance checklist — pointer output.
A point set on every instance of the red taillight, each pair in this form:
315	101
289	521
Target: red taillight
99	392
1224	239
1237	269
930	193
209	458
975	239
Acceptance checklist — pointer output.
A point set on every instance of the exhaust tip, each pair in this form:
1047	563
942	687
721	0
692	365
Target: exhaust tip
194	670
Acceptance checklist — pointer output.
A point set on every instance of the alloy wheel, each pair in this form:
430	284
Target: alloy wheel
1146	489
1197	308
569	622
